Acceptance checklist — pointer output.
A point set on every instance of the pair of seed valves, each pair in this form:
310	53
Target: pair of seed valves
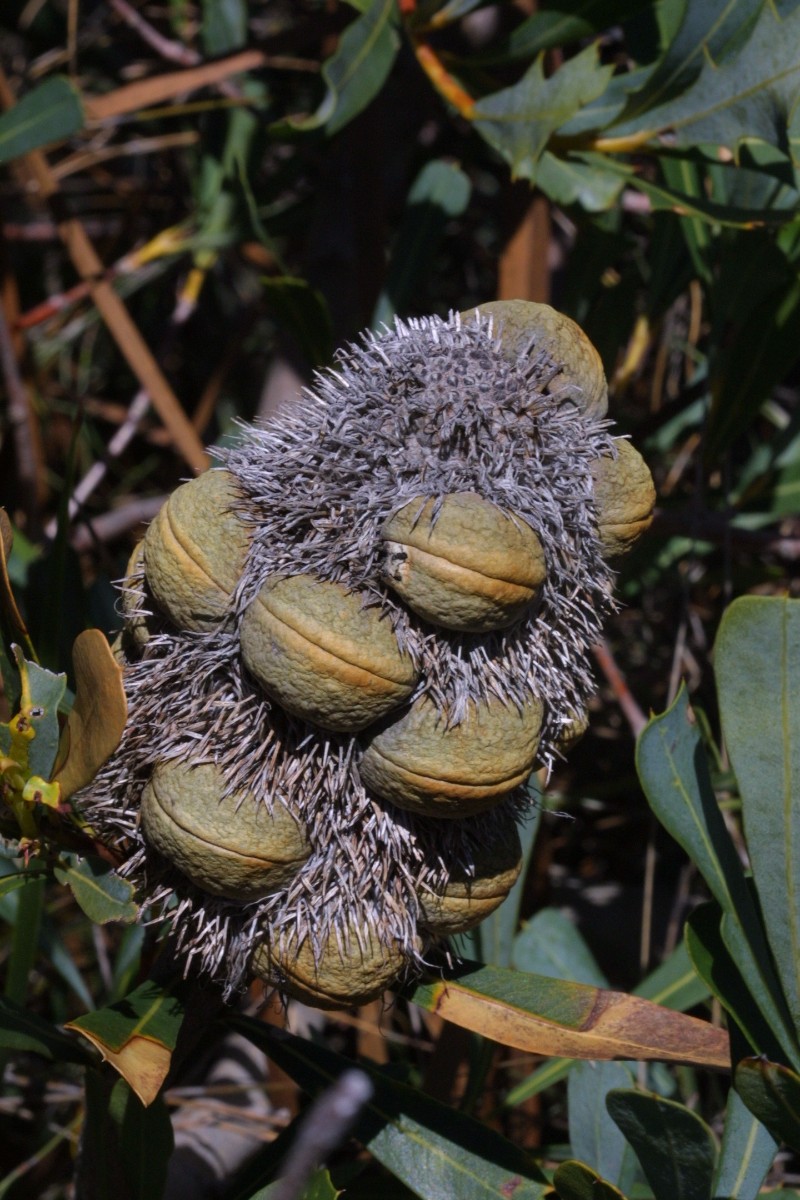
346	650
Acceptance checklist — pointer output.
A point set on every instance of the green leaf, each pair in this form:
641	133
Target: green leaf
28	907
722	86
561	25
545	1076
42	694
674	983
126	1146
770	186
665	198
689	177
146	1140
436	1151
224	26
761	982
47	693
754	344
676	1149
440	191
601	112
303	313
102	894
772	1092
149	1011
579	179
357	70
673	770
576	1181
746	1154
50	112
12	626
705	36
757	664
518	121
593	1136
127	961
23	1030
53	949
320	1187
549	944
17	879
765	1026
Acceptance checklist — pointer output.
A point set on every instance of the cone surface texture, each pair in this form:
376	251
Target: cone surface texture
461	563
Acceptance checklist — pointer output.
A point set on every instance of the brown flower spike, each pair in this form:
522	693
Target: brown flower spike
345	652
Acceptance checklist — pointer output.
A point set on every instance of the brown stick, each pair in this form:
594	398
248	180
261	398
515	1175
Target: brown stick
145	92
133	346
524	270
607	664
98	470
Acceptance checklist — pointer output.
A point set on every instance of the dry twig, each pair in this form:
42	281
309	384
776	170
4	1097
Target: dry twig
324	1127
608	665
113	310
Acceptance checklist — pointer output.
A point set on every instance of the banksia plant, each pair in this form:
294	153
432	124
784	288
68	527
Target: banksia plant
346	649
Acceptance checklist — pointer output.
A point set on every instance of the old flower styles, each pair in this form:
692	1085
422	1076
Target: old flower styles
346	650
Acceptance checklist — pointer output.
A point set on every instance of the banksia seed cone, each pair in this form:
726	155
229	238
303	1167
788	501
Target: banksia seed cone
346	651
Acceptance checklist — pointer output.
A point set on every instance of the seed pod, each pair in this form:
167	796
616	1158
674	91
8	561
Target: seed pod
195	551
525	327
572	732
232	847
422	764
136	632
470	897
322	655
624	498
468	566
339	977
138	627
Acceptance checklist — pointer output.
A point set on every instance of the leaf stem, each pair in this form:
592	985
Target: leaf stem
443	81
605	145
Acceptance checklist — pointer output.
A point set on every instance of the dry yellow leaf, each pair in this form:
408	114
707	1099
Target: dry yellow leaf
141	1062
97	719
614	1025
